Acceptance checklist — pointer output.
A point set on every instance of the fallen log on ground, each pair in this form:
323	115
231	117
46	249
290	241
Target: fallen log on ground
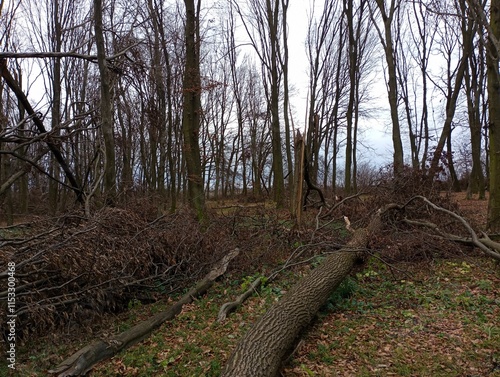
263	348
84	360
231	306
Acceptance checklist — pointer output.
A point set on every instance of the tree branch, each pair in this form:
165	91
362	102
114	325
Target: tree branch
488	246
11	82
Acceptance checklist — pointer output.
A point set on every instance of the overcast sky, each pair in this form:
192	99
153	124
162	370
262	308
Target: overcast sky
377	132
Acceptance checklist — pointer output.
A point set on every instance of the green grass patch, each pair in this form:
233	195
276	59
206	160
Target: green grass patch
435	320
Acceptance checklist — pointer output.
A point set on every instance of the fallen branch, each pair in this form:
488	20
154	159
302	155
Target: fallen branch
229	307
54	148
337	205
485	244
84	360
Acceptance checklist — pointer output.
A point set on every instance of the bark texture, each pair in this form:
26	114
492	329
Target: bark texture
191	113
264	347
492	62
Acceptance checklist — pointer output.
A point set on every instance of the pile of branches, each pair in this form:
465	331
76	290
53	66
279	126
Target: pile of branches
71	271
417	230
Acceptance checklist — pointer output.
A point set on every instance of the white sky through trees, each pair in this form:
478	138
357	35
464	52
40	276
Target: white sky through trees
375	140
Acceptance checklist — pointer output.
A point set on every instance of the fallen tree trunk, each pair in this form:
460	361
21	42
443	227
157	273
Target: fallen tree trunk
84	360
263	348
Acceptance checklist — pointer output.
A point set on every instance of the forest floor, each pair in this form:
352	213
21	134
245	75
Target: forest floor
435	317
473	209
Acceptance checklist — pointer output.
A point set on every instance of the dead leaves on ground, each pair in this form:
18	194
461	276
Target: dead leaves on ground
443	323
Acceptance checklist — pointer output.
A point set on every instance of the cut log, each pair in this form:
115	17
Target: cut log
263	348
84	360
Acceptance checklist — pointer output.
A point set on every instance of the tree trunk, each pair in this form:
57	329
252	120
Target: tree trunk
353	67
192	112
264	347
299	179
474	83
278	175
455	183
106	107
23	180
398	158
286	100
56	36
494	124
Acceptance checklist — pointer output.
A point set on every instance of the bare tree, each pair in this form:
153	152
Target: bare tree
258	147
264	27
237	78
324	44
451	87
386	39
358	31
422	35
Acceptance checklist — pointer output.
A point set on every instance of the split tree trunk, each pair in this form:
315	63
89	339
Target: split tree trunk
264	347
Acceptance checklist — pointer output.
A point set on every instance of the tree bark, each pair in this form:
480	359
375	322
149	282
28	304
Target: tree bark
192	111
106	106
263	348
83	361
298	186
492	60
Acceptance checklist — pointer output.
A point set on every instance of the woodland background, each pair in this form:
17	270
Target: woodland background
109	84
141	142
